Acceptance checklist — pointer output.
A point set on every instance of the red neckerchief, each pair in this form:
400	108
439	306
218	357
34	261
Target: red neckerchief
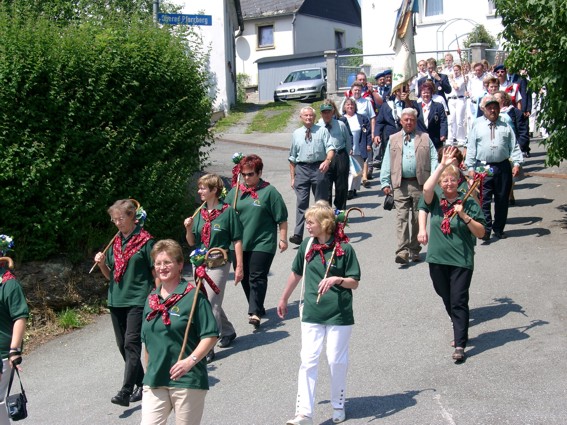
208	217
121	259
447	213
321	248
252	190
7	276
163	308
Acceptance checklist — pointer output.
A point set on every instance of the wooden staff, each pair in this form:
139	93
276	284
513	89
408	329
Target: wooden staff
335	247
469	193
8	260
137	204
462	62
236	191
193	306
198	209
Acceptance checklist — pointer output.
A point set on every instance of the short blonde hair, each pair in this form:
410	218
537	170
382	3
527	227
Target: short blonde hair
450	170
322	212
170	247
212	181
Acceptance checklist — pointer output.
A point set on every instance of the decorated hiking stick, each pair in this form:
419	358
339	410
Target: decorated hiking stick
460	52
236	158
7	260
471	190
339	237
140	218
198	209
197	260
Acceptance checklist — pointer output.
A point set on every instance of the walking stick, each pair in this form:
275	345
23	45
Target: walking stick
7	260
467	195
236	191
137	204
335	247
193	306
198	209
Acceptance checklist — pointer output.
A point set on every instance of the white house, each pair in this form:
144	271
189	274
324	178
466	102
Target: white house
439	24
219	34
291	27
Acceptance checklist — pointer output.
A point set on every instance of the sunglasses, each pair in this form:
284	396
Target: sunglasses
248	174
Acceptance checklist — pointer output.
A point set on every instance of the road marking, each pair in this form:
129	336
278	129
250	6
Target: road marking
446	415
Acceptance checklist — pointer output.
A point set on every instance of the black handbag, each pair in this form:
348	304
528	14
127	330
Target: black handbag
388	202
16	404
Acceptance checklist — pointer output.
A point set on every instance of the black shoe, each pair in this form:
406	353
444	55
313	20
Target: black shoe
122	398
500	235
210	356
369	176
136	395
350	195
526	155
226	340
366	184
296	239
486	236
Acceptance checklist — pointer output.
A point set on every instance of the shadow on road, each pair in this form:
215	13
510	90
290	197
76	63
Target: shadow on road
501	308
491	340
378	407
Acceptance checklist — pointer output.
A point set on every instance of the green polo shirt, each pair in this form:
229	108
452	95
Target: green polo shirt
137	281
163	343
456	248
225	229
13	306
260	218
335	306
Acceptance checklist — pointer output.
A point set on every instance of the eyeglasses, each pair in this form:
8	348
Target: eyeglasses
165	265
118	220
248	174
500	72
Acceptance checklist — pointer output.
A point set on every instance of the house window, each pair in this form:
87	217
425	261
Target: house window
339	40
433	7
491	7
266	36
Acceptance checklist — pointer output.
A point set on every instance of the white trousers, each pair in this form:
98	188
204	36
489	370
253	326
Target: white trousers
4	381
457	126
187	403
312	336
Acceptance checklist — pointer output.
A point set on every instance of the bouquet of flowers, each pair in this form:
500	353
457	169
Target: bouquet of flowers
141	215
6	244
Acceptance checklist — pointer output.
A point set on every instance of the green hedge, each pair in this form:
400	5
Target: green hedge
91	113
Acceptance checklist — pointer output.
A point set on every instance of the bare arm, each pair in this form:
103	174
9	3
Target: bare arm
290	286
182	367
239	269
283	236
16	342
429	186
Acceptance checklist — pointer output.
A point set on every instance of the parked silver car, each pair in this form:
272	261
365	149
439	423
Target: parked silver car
303	84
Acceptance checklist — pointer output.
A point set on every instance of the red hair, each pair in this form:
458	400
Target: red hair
252	161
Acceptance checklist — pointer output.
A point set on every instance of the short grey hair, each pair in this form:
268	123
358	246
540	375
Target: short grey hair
307	108
409	111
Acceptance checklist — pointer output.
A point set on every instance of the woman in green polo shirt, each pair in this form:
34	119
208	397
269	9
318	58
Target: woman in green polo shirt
327	309
14	313
169	383
451	243
217	226
261	210
128	266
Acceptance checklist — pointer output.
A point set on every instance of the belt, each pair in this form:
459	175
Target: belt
343	150
308	163
473	101
409	178
456	97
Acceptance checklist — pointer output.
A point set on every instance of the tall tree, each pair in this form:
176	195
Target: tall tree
536	39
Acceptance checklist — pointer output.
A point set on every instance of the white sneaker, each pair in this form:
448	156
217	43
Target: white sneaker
339	415
300	420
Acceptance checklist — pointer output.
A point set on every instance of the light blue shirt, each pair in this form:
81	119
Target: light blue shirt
409	167
338	135
314	150
481	147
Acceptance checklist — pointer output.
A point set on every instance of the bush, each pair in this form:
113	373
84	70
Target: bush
70	319
242	81
91	112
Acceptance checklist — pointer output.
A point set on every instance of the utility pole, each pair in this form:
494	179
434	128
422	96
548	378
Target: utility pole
156	10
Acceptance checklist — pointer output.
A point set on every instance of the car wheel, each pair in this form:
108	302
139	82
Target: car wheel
323	93
276	98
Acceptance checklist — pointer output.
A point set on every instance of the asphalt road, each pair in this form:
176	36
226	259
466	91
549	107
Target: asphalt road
400	371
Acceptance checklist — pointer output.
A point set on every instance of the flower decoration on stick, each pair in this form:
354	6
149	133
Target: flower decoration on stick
197	257
236	158
141	215
6	244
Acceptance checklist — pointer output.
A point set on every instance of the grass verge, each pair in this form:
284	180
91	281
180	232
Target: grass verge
271	118
237	114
